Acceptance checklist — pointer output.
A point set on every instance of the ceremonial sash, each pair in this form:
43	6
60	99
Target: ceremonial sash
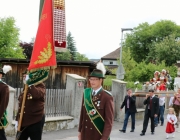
92	112
4	122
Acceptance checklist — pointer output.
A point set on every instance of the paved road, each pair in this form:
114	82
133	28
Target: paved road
115	134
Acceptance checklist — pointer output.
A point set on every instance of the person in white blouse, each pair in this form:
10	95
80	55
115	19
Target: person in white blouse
171	121
171	101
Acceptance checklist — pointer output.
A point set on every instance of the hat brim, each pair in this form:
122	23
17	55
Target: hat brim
96	76
2	73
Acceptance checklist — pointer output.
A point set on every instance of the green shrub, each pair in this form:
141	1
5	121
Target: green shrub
108	80
144	72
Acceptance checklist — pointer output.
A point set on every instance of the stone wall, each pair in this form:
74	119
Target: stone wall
119	92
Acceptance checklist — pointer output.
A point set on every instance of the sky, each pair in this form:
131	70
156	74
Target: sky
94	24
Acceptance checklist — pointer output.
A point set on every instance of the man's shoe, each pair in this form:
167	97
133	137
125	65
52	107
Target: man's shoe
142	134
132	130
155	125
152	133
124	131
162	124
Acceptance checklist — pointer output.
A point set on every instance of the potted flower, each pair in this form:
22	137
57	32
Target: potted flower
136	84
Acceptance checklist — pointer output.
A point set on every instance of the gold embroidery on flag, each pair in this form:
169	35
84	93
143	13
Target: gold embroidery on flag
44	16
45	55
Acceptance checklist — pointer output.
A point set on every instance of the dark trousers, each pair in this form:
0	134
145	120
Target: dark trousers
34	131
127	114
146	120
160	115
2	134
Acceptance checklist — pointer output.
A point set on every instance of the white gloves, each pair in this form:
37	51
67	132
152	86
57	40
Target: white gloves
16	125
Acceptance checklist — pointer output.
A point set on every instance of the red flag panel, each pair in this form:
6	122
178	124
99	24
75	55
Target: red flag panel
43	54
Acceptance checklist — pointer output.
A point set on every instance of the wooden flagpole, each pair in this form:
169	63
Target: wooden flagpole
22	110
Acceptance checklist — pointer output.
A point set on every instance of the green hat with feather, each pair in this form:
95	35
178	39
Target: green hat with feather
99	71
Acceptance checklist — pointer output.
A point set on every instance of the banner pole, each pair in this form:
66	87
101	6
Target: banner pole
22	110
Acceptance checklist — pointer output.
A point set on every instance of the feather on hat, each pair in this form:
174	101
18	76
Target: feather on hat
101	67
5	69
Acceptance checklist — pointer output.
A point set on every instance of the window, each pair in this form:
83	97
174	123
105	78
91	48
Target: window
110	62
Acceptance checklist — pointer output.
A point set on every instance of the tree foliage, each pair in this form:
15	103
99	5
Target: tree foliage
127	60
142	41
168	50
27	49
9	39
81	57
144	72
71	46
63	56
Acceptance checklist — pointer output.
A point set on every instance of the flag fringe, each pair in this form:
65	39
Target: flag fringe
42	68
41	81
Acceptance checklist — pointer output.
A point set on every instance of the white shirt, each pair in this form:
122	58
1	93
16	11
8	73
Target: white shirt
171	117
171	101
161	101
96	91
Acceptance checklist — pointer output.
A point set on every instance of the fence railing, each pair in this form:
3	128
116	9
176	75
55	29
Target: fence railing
58	102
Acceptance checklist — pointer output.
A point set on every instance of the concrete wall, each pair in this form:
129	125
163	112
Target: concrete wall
119	92
76	84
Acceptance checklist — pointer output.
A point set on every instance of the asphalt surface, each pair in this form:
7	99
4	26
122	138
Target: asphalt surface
71	134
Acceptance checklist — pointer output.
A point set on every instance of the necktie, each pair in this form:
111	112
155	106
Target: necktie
150	103
94	93
128	102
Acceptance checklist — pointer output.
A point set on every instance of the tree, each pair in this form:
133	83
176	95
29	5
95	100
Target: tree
81	57
27	49
9	39
71	46
143	72
63	56
168	50
127	60
144	37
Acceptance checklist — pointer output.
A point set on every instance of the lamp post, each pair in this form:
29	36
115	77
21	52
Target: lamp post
120	70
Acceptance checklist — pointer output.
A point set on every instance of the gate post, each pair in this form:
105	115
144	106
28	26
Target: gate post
119	92
76	84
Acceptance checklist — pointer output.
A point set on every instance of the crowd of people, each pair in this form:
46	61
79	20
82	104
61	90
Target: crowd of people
97	110
160	82
154	111
155	105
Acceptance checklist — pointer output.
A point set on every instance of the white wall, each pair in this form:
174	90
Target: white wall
110	62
